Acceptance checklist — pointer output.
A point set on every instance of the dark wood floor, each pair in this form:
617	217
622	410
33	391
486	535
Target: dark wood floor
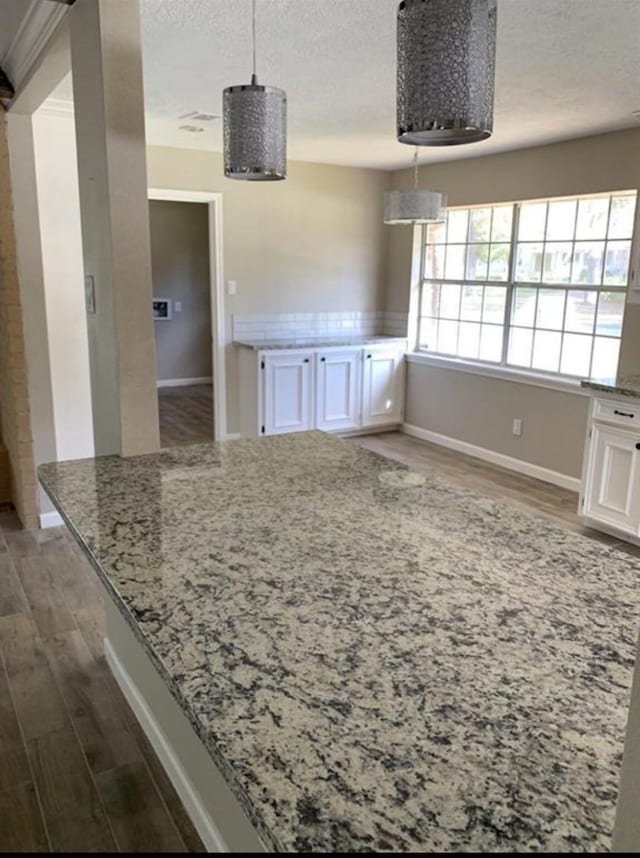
76	772
186	414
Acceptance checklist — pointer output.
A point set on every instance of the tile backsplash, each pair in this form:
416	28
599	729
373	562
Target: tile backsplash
277	326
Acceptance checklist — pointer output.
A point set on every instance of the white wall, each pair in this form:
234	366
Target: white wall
61	243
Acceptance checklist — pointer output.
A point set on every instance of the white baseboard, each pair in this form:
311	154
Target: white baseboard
518	465
201	819
50	519
183	382
232	436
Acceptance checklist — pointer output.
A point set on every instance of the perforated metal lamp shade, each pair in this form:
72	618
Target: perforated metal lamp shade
255	132
414	207
446	71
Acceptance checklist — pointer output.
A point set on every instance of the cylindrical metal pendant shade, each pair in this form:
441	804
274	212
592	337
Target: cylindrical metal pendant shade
446	71
255	133
412	207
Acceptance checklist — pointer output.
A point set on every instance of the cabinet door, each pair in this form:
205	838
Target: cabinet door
382	387
338	390
613	484
287	402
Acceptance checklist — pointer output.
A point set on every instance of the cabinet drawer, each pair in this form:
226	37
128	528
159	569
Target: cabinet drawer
620	413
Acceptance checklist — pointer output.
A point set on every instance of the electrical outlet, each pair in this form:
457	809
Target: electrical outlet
177	306
517	427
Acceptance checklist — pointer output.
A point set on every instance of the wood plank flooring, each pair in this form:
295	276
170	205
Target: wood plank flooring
76	771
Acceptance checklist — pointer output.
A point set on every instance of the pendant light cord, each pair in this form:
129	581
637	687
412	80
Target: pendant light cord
253	32
415	168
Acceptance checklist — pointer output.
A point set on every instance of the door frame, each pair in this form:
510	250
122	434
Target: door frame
216	289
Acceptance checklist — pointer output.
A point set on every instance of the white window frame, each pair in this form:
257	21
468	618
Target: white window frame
504	369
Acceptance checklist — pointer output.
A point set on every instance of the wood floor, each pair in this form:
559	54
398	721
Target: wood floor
76	772
186	414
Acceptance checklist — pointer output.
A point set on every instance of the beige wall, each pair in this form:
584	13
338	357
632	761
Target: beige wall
15	416
450	402
315	243
180	271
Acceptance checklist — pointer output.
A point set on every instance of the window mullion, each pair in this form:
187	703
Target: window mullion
515	225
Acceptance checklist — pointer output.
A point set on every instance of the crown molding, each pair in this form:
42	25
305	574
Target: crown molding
57	107
38	25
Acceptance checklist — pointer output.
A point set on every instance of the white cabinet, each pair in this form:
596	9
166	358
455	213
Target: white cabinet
610	497
382	387
336	389
338	385
288	404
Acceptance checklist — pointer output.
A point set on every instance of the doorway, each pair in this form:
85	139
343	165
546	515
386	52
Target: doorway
188	315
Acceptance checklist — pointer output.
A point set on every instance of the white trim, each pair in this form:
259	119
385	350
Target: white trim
184	382
204	824
564	385
50	519
37	27
57	107
233	436
495	458
216	269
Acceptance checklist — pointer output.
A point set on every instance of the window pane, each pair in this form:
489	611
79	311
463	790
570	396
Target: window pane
469	343
499	262
576	355
450	301
436	233
524	307
605	357
557	262
471	308
581	311
434	261
561	222
546	351
502	224
533	218
529	263
592	218
429	334
480	225
623	210
430	300
491	343
448	337
457	225
610	314
520	345
588	259
550	309
454	269
617	262
495	298
477	261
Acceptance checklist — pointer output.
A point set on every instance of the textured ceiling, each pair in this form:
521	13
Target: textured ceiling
565	68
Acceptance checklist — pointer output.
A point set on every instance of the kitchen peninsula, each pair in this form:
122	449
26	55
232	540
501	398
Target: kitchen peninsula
372	659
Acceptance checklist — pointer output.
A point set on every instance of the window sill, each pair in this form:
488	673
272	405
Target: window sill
565	385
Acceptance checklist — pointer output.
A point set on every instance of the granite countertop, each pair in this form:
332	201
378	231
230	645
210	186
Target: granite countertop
317	342
375	659
628	385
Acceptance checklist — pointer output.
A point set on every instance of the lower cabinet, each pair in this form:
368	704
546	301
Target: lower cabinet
338	389
611	480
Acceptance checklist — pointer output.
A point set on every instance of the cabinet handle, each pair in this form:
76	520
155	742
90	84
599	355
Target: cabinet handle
623	413
369	357
638	446
306	360
322	360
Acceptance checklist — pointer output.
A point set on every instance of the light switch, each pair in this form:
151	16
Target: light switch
231	287
177	306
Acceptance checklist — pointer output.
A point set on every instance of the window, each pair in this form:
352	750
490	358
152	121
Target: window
539	285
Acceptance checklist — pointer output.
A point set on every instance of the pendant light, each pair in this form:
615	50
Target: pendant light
446	71
255	128
416	206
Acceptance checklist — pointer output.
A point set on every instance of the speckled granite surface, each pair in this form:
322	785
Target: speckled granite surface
624	386
319	343
376	661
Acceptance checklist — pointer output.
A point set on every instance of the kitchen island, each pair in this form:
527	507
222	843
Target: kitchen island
372	659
